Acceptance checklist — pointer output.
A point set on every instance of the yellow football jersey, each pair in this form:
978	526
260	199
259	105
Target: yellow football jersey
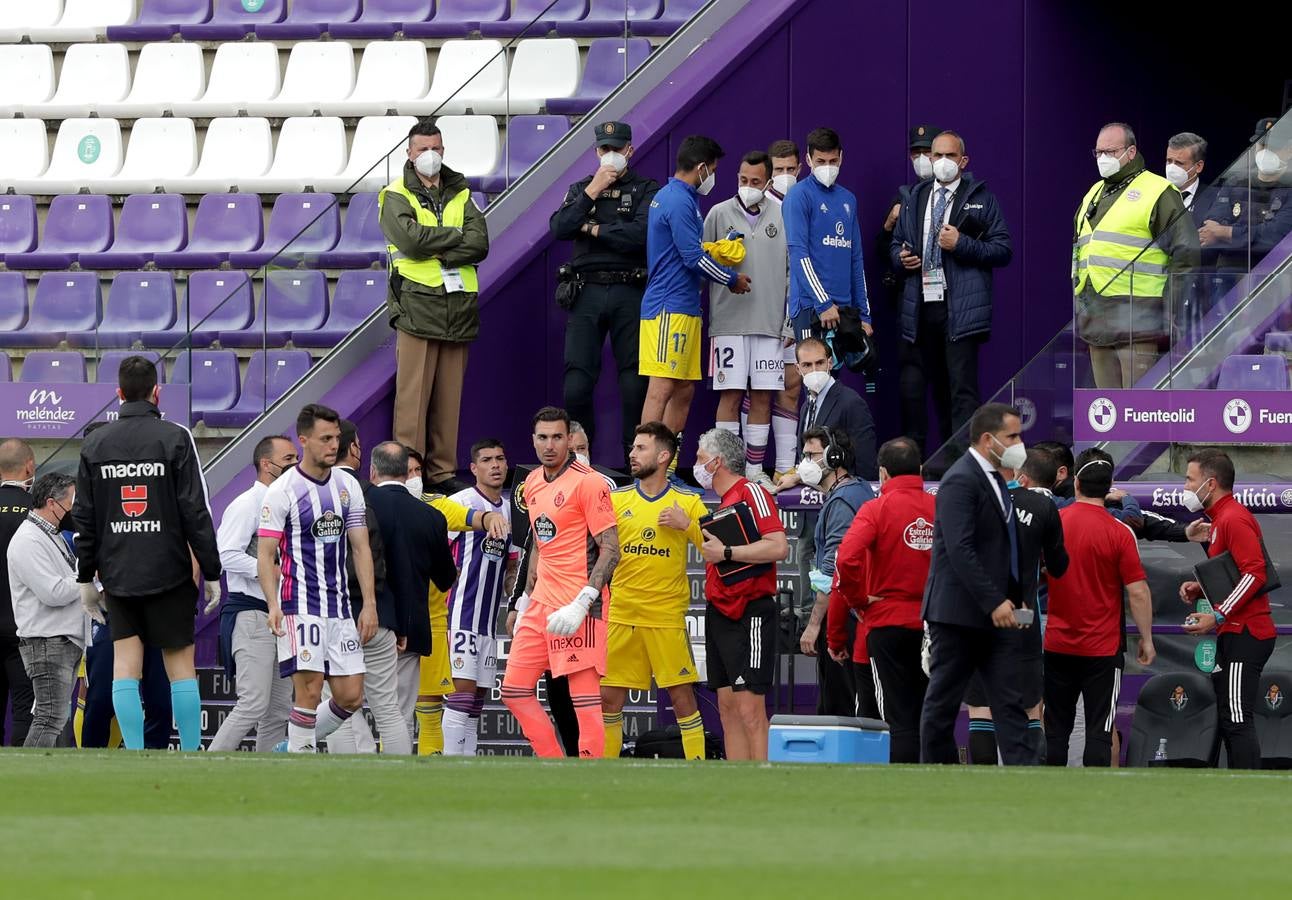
649	587
459	518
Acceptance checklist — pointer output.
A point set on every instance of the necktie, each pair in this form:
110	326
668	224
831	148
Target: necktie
933	254
1008	503
811	410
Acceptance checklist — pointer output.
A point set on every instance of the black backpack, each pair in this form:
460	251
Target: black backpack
666	743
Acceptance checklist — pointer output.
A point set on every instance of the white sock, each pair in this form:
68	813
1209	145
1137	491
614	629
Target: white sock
455	731
733	427
785	429
473	736
756	446
744	411
330	716
300	731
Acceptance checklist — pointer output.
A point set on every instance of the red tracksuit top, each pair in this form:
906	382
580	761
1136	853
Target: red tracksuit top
885	554
1235	529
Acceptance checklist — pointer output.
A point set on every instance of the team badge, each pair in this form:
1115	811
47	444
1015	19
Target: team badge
722	376
648	534
1274	697
458	663
772	230
306	656
1238	210
614	195
560	499
608	128
519	497
264	513
134	499
1179	699
345	497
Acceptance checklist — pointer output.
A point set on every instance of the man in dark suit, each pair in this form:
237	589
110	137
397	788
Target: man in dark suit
974	590
831	404
17	469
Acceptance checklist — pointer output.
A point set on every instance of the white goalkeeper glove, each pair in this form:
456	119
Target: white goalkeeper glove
566	620
92	600
926	650
212	590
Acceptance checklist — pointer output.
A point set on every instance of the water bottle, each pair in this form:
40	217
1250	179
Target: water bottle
1159	757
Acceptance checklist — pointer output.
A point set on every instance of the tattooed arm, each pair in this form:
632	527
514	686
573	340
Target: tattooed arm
607	558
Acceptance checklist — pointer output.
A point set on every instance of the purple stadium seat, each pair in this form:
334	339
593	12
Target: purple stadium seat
150	224
1253	373
301	226
53	367
528	11
75	224
676	13
224	224
383	18
159	19
17	224
137	302
269	375
603	72
6	368
232	20
309	19
64	301
362	242
13	301
293	300
606	18
213	381
356	295
458	18
528	138
1278	342
110	364
216	301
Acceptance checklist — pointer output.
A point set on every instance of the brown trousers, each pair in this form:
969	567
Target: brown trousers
1122	366
428	399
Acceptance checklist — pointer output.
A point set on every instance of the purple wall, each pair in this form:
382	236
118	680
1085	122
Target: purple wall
1027	83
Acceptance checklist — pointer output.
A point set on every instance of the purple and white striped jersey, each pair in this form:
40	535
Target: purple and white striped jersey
309	519
482	567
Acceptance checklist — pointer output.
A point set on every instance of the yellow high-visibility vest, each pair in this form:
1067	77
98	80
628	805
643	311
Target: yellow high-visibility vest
428	271
1102	255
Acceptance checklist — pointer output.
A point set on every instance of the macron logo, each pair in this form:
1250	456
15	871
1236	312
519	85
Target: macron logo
42	396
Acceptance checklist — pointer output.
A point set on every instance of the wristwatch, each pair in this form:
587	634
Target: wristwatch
726	553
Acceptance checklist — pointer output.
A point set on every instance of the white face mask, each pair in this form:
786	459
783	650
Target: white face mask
706	184
827	175
809	471
616	159
1110	165
583	458
1013	456
923	166
946	170
816	381
25	485
704	477
1177	175
428	163
750	196
1193	500
414	486
1268	162
783	182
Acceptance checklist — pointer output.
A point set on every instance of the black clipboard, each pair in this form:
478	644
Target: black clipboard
1218	576
735	526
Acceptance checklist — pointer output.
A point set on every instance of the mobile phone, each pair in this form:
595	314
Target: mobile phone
1024	616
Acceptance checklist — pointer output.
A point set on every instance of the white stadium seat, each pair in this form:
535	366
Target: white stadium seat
84	20
318	73
455	77
471	145
24	149
310	149
376	138
92	74
241	73
19	17
85	150
390	73
26	76
166	74
236	150
162	153
541	69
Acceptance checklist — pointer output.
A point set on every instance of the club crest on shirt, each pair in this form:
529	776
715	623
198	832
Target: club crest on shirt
771	230
519	498
345	498
264	513
1179	699
1274	697
544	529
328	527
560	499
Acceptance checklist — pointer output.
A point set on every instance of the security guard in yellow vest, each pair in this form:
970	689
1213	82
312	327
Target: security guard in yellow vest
436	236
1132	243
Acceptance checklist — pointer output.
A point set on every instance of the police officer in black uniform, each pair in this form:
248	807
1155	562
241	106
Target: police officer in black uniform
605	216
140	509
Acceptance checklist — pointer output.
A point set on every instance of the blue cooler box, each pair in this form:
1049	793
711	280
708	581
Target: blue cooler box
827	739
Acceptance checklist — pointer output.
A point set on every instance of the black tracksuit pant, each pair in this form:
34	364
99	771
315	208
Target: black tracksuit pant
1241	658
1097	679
900	684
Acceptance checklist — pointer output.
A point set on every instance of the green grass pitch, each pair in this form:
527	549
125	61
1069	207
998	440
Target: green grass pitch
116	824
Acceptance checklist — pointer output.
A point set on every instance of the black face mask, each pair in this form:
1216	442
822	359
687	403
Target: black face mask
65	523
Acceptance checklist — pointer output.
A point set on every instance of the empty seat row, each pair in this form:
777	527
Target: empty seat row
227	228
141	309
1254	372
217	395
232	19
320	77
